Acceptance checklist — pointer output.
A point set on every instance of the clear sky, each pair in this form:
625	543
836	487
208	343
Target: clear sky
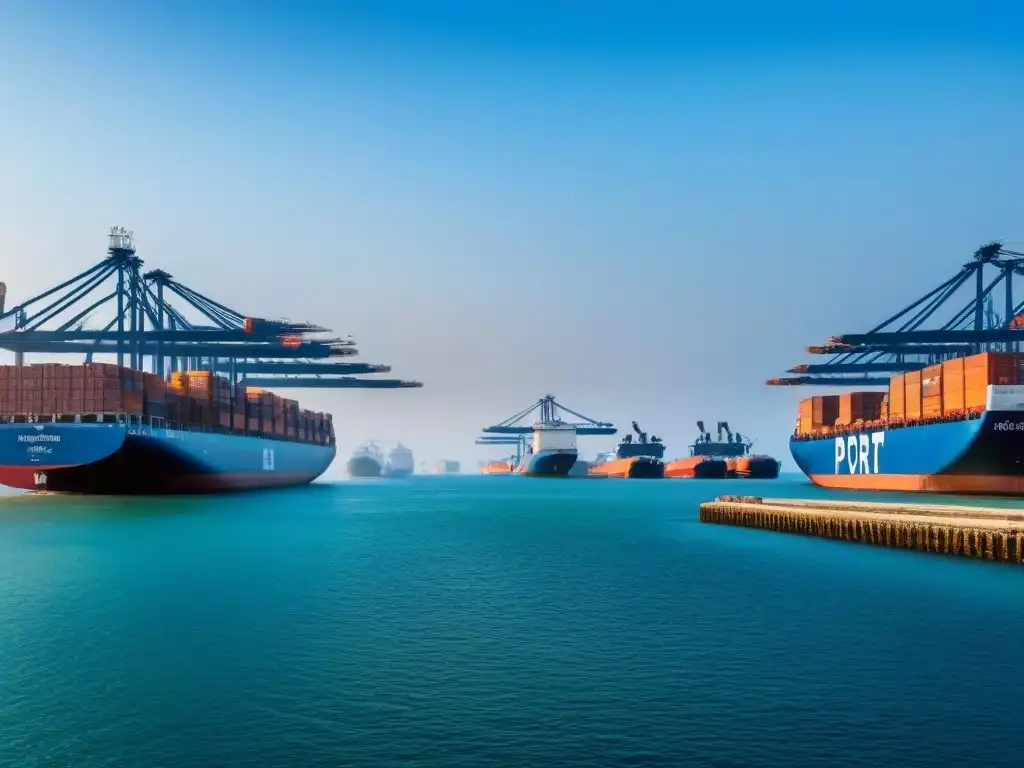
645	208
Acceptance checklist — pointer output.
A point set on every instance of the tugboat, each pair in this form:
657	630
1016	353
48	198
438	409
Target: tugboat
366	461
722	458
638	458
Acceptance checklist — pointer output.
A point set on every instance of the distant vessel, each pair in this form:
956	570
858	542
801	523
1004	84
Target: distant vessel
638	458
725	457
367	461
505	467
552	450
400	462
447	467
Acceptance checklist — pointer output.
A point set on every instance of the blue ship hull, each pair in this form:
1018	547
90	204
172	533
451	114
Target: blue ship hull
984	455
119	458
549	463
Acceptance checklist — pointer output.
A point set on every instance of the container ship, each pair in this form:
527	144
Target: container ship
447	467
638	458
99	428
551	451
400	462
956	427
366	461
726	457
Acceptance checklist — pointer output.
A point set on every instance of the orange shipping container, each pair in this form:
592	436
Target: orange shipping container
931	381
859	406
953	386
988	368
912	387
897	397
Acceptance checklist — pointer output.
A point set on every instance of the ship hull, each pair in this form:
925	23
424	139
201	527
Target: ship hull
754	468
698	468
548	463
363	466
638	467
982	455
119	459
397	472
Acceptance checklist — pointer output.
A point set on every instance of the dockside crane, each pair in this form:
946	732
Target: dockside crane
905	342
549	410
151	323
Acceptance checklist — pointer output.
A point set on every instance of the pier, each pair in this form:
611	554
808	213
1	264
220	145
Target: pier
986	533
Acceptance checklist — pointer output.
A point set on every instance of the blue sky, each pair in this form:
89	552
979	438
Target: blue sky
644	208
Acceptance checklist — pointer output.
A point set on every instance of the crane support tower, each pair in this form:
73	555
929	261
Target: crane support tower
922	333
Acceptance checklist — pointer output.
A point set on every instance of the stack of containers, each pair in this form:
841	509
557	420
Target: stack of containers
330	428
897	398
816	413
200	393
133	388
998	368
32	389
221	399
238	409
278	416
253	409
291	418
931	392
859	406
10	385
155	390
266	413
953	387
102	388
912	387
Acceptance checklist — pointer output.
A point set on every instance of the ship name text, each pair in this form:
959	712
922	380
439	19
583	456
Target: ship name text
41	438
858	454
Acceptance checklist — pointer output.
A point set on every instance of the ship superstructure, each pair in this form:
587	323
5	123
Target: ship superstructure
400	462
640	458
728	456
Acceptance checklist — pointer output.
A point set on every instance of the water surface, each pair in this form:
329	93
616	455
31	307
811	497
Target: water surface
479	621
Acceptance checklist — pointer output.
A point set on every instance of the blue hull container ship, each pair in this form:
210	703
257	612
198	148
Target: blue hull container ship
956	427
100	429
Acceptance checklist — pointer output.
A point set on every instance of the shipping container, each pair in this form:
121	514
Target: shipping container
859	406
995	368
912	387
953	386
897	397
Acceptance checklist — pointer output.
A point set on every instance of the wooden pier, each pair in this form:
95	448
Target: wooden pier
986	533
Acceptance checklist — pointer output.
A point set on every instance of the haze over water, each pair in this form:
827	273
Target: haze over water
489	621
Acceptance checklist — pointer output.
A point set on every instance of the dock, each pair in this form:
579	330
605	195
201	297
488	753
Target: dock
986	533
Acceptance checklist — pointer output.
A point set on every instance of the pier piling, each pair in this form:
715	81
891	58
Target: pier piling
987	533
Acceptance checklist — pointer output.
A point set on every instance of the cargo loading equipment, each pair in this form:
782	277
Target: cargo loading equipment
549	411
902	344
147	325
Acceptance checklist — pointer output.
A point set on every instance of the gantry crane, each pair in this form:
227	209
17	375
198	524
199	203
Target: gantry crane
905	343
548	411
150	323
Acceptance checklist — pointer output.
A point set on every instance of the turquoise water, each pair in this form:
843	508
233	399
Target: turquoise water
490	621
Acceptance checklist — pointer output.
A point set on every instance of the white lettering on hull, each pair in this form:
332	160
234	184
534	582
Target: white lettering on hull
858	454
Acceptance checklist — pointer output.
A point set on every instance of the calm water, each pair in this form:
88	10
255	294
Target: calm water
487	621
